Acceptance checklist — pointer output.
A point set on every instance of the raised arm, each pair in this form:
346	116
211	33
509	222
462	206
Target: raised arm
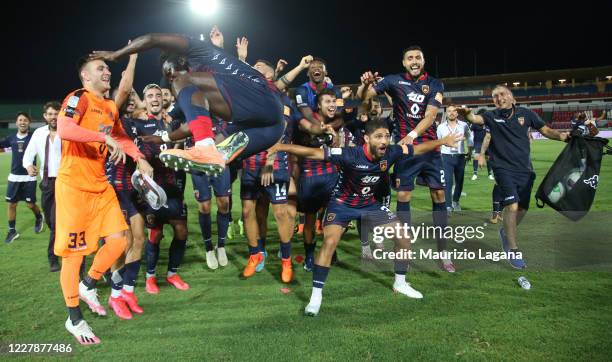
168	42
469	116
284	81
365	91
126	83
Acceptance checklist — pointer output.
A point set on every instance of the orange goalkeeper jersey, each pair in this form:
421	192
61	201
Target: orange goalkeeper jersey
82	164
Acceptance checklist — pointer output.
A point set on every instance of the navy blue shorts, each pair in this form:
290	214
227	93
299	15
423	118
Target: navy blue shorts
21	191
426	169
202	184
130	203
253	104
251	188
372	215
176	209
314	191
514	186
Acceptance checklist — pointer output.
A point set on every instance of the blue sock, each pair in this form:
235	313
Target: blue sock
253	250
152	254
475	166
403	212
12	224
261	244
400	266
440	218
131	273
309	249
285	249
319	275
206	228
176	253
301	218
223	221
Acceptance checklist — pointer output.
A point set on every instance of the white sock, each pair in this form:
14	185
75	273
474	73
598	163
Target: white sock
205	142
115	293
128	288
365	249
317	296
170	274
400	278
149	275
446	261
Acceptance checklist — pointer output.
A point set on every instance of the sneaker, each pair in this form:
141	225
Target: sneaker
254	260
151	285
149	191
11	236
312	310
494	216
39	225
233	145
176	281
120	308
491	177
449	211
132	301
205	159
211	260
504	240
221	256
448	265
82	332
230	232
456	206
405	289
474	177
241	227
90	297
515	257
54	265
308	263
262	263
287	271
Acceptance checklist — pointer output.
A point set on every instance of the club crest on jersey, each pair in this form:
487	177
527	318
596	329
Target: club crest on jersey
383	165
331	217
521	120
425	89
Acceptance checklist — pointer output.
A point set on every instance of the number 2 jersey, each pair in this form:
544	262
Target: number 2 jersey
360	173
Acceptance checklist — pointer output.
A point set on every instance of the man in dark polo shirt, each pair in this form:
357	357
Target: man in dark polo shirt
509	151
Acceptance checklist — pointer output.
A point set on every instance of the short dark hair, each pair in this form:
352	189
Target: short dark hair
25	114
410	48
51	104
80	64
325	91
320	60
179	61
373	125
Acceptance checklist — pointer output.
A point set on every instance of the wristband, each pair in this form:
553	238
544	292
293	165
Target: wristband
413	134
165	137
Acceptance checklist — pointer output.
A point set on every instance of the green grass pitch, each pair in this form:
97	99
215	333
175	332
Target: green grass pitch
471	315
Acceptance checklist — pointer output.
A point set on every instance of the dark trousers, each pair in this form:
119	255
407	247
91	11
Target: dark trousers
454	170
48	205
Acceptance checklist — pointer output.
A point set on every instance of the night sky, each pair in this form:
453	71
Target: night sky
44	39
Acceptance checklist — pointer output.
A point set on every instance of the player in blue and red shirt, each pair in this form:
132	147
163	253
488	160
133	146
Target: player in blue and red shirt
318	177
21	186
205	79
175	213
416	97
361	170
222	187
306	94
265	179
